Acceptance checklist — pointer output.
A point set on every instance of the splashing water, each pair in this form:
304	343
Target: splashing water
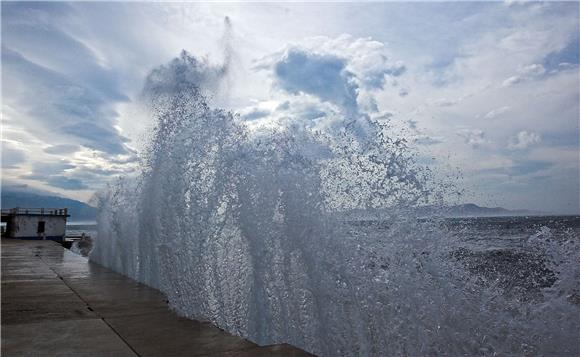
247	229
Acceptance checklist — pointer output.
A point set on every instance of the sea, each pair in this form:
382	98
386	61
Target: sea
86	228
522	265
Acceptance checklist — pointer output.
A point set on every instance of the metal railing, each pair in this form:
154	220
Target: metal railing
35	211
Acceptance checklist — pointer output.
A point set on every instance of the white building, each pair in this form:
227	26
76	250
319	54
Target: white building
35	223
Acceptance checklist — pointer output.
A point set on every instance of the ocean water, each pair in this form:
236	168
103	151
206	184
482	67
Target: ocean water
521	256
248	227
78	228
89	229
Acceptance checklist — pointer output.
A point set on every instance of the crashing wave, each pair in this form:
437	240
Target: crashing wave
246	229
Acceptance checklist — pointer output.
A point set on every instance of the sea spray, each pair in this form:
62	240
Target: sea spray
253	231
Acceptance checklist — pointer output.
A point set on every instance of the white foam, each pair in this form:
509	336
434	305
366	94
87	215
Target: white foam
240	228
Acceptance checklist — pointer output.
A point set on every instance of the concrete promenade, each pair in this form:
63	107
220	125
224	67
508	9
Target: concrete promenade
57	303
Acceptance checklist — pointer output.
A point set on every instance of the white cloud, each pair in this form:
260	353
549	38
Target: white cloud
443	102
523	140
496	112
526	73
343	70
473	137
321	75
368	59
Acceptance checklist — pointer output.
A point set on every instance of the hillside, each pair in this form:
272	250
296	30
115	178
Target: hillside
462	210
78	210
470	209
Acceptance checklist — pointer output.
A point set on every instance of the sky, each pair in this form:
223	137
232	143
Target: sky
487	91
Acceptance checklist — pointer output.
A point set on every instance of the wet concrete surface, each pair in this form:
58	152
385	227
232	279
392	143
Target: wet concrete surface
57	303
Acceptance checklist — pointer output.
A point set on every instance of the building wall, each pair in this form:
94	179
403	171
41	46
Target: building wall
27	226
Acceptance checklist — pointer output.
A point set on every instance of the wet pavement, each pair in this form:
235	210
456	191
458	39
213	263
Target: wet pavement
57	303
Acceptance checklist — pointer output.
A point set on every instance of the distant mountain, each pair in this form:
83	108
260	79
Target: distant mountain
78	210
470	209
463	210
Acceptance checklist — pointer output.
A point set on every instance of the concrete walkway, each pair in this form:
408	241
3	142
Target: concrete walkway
56	303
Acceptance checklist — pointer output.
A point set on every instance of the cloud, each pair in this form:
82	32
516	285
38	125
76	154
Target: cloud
345	71
298	110
62	149
473	137
55	173
51	168
427	140
444	102
256	113
66	183
412	124
526	73
307	110
522	168
367	102
12	157
370	61
57	78
523	140
527	167
567	57
71	79
52	103
73	176
496	112
323	76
